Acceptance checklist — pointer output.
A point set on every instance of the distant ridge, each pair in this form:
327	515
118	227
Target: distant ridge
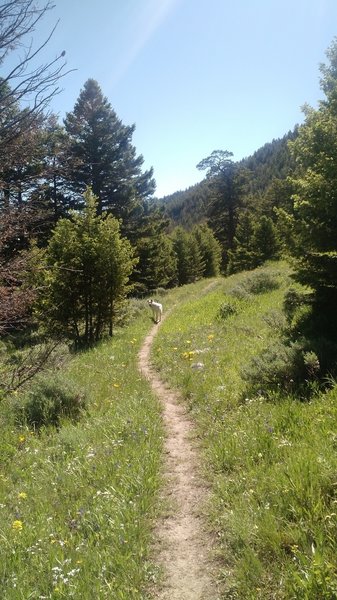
271	161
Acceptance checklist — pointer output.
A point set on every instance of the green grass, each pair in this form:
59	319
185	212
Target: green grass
272	462
77	502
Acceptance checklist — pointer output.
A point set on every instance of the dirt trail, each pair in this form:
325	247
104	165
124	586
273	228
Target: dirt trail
184	547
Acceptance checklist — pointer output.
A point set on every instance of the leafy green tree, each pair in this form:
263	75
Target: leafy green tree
102	156
314	220
88	266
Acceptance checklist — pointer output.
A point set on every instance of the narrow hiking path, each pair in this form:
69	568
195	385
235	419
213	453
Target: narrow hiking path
184	546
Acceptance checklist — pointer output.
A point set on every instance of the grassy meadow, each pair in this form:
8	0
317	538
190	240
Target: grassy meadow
271	458
78	501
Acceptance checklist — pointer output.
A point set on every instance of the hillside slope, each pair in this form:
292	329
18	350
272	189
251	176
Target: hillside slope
269	451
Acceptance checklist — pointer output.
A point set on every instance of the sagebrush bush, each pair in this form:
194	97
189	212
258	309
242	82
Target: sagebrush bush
50	400
275	319
227	309
280	366
259	282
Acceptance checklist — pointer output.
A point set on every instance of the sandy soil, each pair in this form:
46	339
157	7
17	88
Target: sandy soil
184	549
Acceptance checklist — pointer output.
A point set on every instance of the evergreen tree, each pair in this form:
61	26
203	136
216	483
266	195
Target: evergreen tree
181	247
196	260
102	156
88	268
190	262
157	265
315	200
242	256
210	250
264	242
53	189
227	187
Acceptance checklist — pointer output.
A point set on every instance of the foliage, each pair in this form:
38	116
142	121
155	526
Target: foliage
227	183
189	207
157	264
280	366
315	200
49	401
100	155
255	242
242	256
227	309
189	267
293	300
22	362
87	268
258	282
209	248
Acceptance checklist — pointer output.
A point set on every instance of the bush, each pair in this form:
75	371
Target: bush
256	283
276	320
261	282
227	309
48	401
281	367
293	299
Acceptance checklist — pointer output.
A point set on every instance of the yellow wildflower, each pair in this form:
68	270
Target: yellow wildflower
116	385
21	439
22	495
17	525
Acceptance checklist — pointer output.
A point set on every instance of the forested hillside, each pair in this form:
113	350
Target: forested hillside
272	161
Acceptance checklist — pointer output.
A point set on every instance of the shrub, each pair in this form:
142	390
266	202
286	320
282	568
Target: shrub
50	400
275	319
293	299
227	309
280	367
261	282
256	283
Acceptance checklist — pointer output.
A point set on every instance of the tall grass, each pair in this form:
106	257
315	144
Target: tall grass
77	501
271	458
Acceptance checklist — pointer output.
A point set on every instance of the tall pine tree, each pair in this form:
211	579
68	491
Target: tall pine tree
102	156
226	187
315	200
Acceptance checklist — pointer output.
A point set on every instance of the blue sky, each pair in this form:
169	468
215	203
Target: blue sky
195	75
